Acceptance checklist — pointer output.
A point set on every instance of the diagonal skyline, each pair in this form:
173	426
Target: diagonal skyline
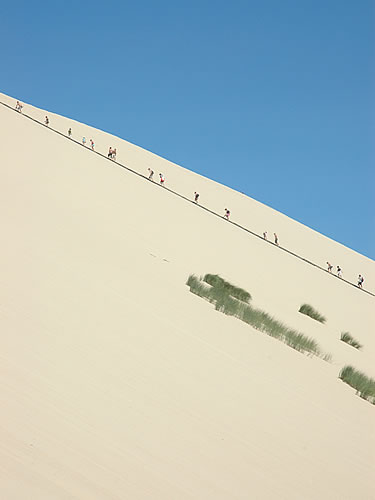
274	100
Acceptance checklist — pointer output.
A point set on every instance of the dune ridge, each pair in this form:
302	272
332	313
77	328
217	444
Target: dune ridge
103	155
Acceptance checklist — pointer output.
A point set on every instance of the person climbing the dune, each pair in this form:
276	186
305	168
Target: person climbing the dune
69	132
150	174
276	239
114	153
226	214
265	235
84	141
162	179
46	121
329	267
92	144
361	279
196	197
339	272
110	152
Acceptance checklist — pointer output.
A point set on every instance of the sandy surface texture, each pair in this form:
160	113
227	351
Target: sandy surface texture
118	383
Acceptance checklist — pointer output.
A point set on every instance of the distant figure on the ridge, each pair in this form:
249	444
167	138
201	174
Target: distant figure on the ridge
329	267
265	235
19	106
150	174
114	153
46	121
162	179
227	214
110	152
361	279
276	239
84	141
92	144
339	272
196	197
69	132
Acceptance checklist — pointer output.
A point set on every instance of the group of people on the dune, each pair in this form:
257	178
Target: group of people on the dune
360	281
92	143
112	155
338	271
276	238
151	176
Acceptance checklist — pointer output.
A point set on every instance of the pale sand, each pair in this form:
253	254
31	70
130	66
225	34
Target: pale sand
118	383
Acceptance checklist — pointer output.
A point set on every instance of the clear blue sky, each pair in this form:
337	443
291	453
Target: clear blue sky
273	98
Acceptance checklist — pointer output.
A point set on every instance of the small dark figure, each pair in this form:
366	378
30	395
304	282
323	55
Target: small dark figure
69	132
92	144
162	179
110	152
196	197
265	235
150	174
329	267
19	106
227	214
339	272
276	239
361	279
46	121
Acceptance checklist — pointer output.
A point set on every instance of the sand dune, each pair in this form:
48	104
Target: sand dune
117	382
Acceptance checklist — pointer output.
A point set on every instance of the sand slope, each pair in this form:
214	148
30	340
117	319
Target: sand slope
118	383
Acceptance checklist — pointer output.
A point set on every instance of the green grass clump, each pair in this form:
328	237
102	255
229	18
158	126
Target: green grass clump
313	313
216	295
217	282
364	385
197	287
346	337
224	302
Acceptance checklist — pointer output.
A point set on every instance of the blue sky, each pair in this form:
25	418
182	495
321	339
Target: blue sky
273	98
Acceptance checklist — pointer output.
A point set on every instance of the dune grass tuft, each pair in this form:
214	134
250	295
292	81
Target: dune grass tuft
217	282
364	385
221	296
313	313
346	337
